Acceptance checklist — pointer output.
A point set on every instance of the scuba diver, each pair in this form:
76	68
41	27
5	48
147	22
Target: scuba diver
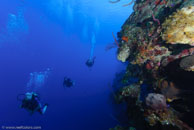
31	102
68	82
90	62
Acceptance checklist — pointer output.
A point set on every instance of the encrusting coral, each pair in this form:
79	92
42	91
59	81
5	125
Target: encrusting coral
132	91
179	27
123	53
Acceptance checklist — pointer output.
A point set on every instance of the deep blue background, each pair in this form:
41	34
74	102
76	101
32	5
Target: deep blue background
58	36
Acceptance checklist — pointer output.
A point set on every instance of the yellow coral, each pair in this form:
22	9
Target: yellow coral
179	27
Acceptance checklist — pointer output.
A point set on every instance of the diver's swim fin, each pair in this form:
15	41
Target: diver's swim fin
44	108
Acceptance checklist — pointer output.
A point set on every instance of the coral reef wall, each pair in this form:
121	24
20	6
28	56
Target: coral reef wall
157	43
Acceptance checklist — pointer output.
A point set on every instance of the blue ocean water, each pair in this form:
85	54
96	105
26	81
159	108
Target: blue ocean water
41	42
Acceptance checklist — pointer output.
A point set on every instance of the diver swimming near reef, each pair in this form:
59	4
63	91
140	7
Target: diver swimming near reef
67	82
31	102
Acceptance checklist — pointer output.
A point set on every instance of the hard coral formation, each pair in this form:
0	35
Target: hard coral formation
152	53
128	40
164	117
168	117
179	27
124	53
131	91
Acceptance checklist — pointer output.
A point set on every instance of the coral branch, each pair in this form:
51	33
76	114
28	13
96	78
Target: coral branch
115	39
129	3
156	20
113	1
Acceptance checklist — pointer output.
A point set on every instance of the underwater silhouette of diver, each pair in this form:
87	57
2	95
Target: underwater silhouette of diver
90	62
31	102
67	82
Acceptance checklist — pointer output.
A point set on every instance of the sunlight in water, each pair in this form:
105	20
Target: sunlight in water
93	41
15	28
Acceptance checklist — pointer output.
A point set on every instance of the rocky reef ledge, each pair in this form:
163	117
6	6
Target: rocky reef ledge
157	42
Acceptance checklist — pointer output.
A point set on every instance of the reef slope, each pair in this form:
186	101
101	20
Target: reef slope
157	42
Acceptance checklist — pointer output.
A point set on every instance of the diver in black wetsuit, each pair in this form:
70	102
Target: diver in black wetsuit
68	82
90	62
31	103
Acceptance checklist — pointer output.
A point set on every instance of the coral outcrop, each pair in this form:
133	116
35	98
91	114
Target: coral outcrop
179	27
157	43
124	53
